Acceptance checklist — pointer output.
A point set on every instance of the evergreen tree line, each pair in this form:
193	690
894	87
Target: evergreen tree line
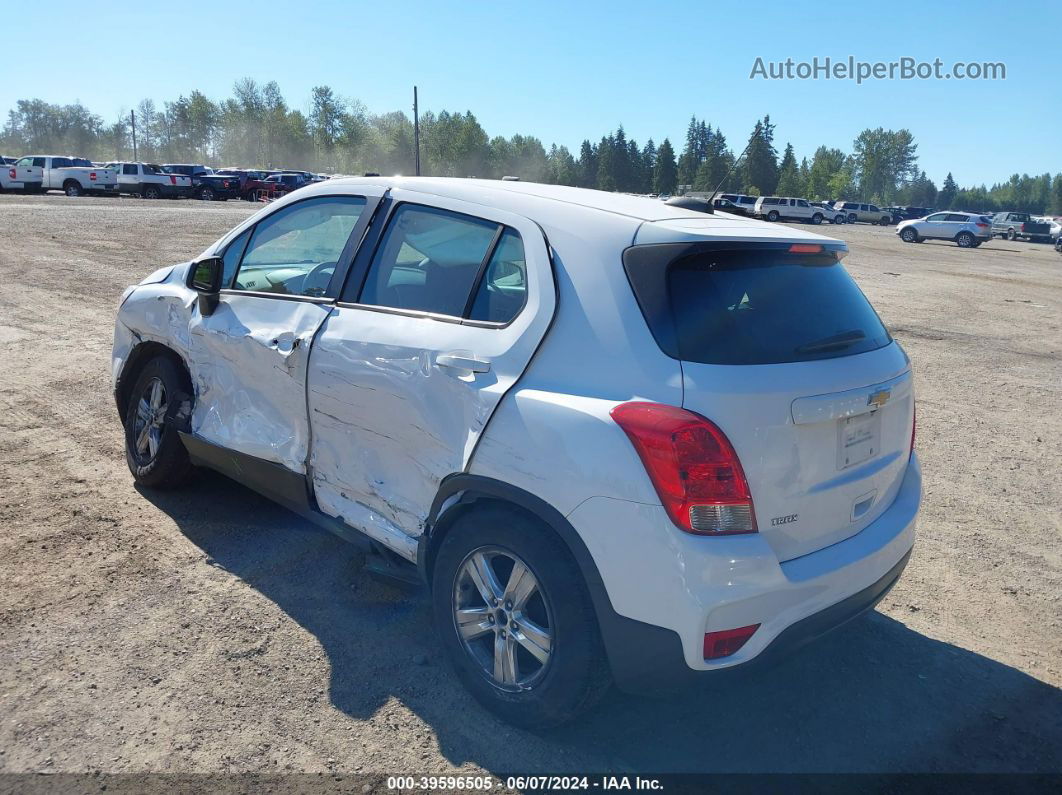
256	127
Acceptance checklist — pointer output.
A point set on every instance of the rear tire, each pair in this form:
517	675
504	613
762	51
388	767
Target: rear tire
72	188
965	240
533	693
158	405
206	194
1012	235
152	192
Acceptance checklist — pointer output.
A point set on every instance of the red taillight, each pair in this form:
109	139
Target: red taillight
727	641
805	248
693	467
11	173
982	226
92	176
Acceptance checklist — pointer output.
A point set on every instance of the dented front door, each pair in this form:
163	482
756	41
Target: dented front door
250	370
248	358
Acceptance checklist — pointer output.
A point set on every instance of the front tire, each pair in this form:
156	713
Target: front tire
772	216
158	403
909	235
152	192
516	620
816	219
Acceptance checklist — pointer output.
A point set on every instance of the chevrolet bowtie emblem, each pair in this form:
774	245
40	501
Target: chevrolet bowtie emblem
879	398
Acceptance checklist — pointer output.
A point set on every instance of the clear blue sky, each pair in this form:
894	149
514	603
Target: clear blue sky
568	71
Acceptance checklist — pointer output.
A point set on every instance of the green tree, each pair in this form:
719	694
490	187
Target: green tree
789	182
586	167
761	158
885	160
946	197
665	175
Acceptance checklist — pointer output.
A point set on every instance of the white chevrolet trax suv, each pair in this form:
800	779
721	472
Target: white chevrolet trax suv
620	441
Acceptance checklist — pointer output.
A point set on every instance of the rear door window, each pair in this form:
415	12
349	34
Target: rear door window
503	287
757	306
429	260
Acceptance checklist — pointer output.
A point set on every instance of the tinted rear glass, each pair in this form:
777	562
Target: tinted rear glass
766	307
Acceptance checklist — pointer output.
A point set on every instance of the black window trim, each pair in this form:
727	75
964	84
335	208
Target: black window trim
346	256
359	270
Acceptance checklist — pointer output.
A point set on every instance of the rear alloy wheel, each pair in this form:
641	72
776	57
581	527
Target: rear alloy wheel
816	219
151	192
206	194
516	619
72	188
505	628
965	240
1012	235
772	215
909	235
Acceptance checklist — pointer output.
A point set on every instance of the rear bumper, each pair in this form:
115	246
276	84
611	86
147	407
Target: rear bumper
665	590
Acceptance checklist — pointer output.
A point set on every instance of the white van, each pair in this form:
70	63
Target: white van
776	208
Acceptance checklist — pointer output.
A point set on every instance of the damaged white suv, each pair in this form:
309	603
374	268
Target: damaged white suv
620	440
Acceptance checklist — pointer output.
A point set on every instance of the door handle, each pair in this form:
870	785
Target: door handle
459	362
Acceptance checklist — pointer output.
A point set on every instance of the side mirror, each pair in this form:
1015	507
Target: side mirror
205	279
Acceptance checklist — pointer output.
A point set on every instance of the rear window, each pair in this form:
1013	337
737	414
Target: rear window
756	307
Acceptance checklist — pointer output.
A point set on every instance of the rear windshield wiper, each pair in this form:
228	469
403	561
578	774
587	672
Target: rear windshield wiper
837	341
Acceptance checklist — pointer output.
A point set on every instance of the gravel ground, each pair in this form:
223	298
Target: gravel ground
209	631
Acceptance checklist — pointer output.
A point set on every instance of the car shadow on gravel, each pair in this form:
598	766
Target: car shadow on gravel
874	696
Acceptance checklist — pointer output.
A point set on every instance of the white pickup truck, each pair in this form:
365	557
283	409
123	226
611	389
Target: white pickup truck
73	175
150	181
16	177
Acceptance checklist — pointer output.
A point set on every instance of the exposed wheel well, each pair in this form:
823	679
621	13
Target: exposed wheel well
134	363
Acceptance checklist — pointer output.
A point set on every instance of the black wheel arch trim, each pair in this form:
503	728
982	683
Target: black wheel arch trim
139	355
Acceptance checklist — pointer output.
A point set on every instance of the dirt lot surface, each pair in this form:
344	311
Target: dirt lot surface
210	631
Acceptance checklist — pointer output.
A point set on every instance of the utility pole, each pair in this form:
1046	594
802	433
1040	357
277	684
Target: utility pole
416	133
132	117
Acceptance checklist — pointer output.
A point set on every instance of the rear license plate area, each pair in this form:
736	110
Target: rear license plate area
858	439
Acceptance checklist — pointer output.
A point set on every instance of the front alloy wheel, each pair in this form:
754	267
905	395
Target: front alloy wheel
158	403
503	618
151	410
909	235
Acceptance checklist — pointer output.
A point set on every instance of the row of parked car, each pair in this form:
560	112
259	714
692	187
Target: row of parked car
794	208
913	224
77	176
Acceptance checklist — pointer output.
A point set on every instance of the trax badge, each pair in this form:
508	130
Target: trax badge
783	519
879	398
